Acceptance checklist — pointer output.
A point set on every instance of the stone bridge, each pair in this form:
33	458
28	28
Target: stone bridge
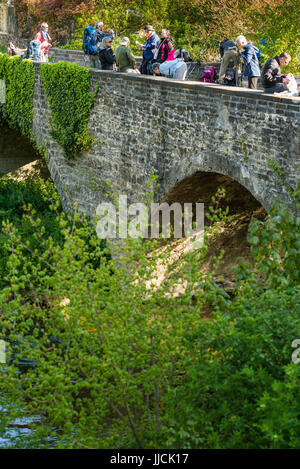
145	125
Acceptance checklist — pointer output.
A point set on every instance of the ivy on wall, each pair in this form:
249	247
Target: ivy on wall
19	77
67	87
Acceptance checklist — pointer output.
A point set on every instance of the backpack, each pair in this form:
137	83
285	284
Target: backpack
183	54
33	50
221	48
96	39
88	32
208	75
229	78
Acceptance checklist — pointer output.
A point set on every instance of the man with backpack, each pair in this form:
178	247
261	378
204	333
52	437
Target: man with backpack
229	51
92	39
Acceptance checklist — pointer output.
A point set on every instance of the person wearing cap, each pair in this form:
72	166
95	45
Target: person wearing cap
124	58
149	47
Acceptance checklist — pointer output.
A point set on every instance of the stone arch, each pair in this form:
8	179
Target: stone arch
212	163
16	150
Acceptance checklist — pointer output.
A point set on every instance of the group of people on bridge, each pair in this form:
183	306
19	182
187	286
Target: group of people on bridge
159	57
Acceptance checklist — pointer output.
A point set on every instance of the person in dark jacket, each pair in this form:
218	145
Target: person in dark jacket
273	80
150	45
165	46
97	38
251	64
106	55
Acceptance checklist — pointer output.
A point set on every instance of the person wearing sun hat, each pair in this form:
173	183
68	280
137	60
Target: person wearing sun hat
124	58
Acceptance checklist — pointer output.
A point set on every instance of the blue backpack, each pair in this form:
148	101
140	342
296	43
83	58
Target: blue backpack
87	35
95	40
33	50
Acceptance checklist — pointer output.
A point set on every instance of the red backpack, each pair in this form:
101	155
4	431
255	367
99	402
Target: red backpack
208	75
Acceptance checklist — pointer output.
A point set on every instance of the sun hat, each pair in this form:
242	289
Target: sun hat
124	41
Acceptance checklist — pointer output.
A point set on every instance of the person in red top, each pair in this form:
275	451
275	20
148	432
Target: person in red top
44	39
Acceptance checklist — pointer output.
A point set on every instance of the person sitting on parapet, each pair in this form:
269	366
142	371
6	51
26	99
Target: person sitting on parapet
176	68
14	50
124	58
229	50
273	80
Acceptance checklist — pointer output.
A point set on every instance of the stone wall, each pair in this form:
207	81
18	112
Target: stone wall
7	19
195	69
144	124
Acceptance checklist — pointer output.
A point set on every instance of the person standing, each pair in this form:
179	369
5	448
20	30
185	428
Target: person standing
149	47
165	46
229	51
106	54
251	63
124	58
95	44
45	40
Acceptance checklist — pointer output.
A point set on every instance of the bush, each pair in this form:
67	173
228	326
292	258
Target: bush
115	360
19	76
70	105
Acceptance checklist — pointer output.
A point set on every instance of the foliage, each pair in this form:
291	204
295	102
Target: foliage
281	31
19	76
59	14
14	197
70	105
116	360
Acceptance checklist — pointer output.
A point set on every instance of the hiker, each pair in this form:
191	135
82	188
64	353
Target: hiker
273	80
230	50
165	46
94	44
251	63
176	69
124	58
45	41
150	45
106	54
14	50
34	51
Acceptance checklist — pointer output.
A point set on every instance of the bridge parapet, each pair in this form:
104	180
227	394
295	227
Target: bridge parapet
174	129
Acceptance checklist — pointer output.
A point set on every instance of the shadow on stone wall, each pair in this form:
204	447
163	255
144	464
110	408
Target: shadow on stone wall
15	150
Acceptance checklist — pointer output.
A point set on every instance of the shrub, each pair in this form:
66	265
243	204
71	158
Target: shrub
19	76
70	105
115	360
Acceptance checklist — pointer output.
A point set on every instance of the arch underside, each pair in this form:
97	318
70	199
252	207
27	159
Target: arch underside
188	176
